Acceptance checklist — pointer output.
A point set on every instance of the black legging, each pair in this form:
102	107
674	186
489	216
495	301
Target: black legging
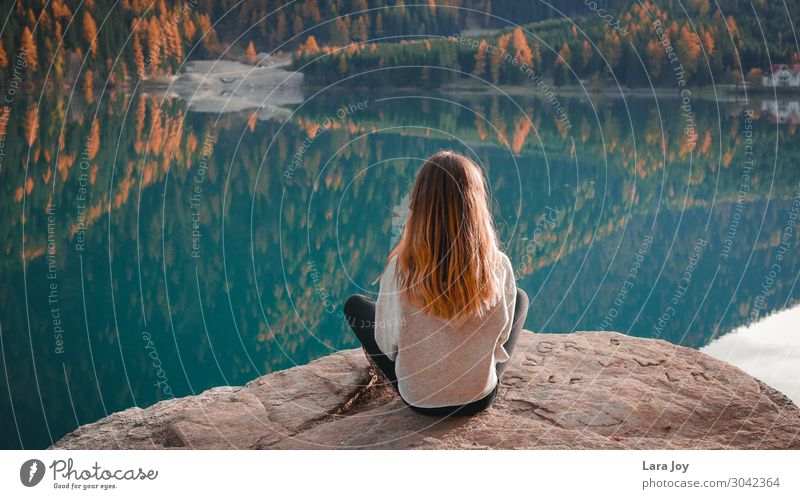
360	312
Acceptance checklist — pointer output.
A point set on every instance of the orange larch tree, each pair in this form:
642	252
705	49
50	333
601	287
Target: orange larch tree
28	48
250	53
3	56
522	51
90	32
480	59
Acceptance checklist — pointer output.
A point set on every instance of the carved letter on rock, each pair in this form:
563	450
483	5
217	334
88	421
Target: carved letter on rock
544	347
533	360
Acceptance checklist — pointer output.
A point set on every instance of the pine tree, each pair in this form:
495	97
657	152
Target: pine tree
563	62
251	53
31	124
60	9
537	55
3	56
688	48
755	77
587	53
88	86
480	60
708	43
189	30
654	57
138	56
339	33
309	47
153	45
521	49
502	44
90	32
612	49
311	10
28	48
173	48
58	58
208	35
362	29
280	29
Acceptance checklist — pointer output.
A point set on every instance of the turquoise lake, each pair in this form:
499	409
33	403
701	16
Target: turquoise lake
152	251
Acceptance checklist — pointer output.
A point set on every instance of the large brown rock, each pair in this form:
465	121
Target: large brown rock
586	390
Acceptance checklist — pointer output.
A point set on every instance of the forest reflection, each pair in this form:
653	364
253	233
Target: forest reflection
176	251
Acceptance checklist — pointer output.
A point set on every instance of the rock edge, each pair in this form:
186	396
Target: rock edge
583	390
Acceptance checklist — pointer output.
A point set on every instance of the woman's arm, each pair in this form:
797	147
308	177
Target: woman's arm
388	314
508	303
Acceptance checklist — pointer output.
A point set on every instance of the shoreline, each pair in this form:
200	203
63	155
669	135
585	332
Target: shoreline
461	88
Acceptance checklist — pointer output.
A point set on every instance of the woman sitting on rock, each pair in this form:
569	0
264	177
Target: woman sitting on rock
448	312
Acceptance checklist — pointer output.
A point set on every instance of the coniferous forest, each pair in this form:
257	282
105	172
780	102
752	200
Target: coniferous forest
104	42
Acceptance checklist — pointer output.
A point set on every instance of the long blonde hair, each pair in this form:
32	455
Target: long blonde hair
447	257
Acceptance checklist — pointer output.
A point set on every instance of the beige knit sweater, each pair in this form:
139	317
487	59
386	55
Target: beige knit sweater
439	362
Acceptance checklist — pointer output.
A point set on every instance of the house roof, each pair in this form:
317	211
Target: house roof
792	68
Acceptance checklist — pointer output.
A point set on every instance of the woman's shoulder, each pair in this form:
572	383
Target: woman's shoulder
391	265
508	280
505	263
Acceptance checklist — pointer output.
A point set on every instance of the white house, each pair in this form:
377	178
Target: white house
783	75
782	112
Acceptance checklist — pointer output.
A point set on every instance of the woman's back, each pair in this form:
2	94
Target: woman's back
448	312
444	362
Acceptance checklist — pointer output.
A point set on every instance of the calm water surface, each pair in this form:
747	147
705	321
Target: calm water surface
151	252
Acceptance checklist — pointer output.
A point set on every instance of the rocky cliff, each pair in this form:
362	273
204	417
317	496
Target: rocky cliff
586	390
